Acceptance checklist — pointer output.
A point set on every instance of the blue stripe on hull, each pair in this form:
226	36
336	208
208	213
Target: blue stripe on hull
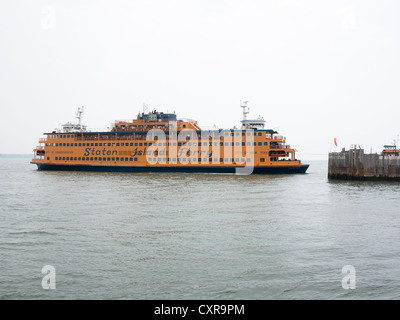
185	169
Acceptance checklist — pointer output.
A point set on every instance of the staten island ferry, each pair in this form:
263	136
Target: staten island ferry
160	142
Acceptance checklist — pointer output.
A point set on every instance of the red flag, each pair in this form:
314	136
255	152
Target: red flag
335	141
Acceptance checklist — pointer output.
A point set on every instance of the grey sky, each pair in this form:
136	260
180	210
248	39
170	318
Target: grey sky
314	70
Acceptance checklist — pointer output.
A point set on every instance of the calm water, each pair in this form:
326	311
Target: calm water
196	236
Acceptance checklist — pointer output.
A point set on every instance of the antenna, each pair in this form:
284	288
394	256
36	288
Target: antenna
79	116
243	104
145	108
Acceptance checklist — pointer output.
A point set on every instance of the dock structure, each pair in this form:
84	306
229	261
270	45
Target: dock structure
354	164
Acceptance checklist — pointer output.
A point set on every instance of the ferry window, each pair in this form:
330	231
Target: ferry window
199	159
221	144
243	134
248	143
95	144
67	144
136	144
130	159
79	158
63	144
132	144
248	160
56	158
56	144
260	143
91	159
159	159
174	159
140	144
108	159
265	143
164	144
126	159
113	144
117	159
122	159
260	134
184	125
237	143
80	144
254	143
237	160
75	158
262	159
95	158
63	158
179	144
112	159
226	143
154	159
205	160
199	144
221	160
243	160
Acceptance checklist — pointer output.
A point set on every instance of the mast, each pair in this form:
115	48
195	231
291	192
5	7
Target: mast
243	104
79	117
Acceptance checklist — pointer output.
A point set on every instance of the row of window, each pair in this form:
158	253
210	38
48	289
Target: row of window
95	159
226	134
204	160
145	144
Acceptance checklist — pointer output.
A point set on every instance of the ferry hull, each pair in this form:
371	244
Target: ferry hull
185	169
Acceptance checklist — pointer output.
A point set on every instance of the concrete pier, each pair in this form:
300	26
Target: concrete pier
355	165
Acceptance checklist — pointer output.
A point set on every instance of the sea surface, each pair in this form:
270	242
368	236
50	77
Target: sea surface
196	236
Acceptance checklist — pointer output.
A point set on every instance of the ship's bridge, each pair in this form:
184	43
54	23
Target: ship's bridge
253	124
157	116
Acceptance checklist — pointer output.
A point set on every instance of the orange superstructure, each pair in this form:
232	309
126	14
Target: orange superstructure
157	141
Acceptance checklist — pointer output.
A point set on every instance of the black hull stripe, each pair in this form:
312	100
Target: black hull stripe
185	169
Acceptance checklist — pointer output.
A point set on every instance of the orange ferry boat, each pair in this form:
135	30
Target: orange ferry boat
159	142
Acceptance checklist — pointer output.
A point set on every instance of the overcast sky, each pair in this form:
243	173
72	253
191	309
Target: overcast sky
314	70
